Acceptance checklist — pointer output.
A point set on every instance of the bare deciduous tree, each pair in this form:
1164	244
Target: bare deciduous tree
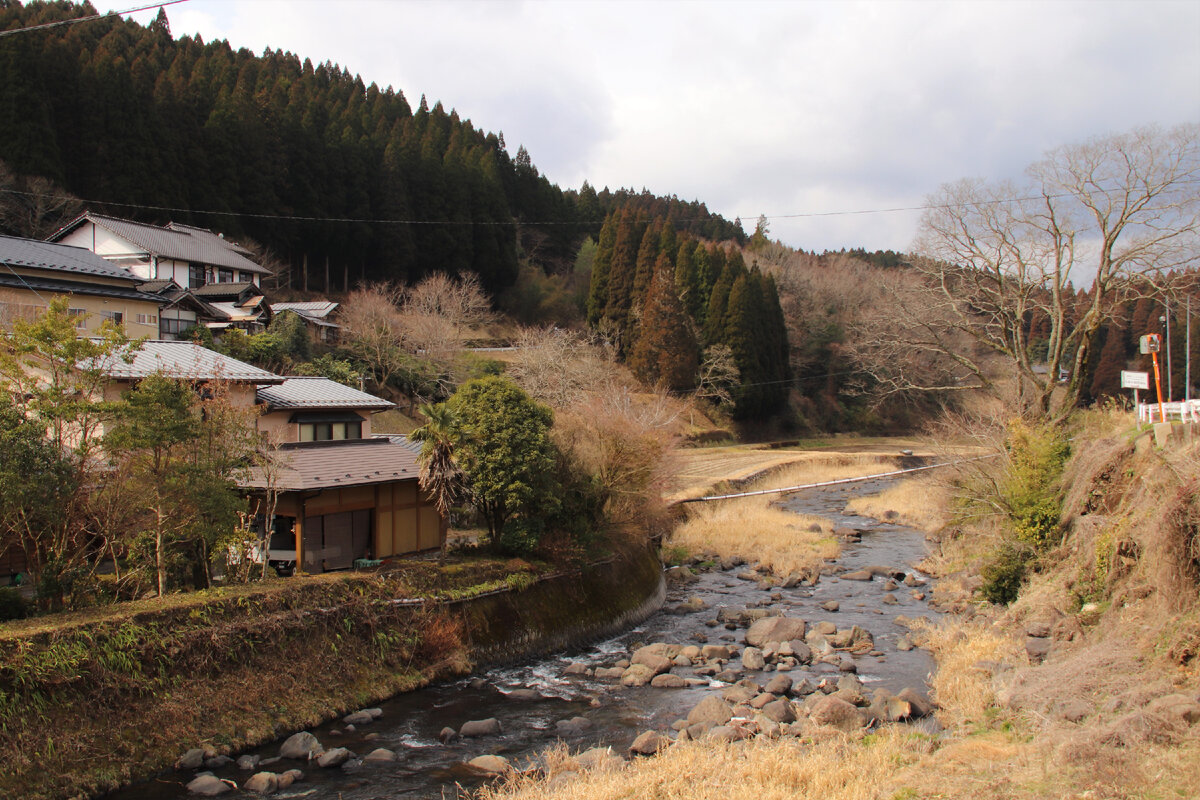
34	207
375	331
438	313
558	366
1110	214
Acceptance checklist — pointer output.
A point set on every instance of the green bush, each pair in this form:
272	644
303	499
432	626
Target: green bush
1003	573
12	604
1030	489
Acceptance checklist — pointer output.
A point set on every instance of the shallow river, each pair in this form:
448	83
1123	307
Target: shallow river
428	769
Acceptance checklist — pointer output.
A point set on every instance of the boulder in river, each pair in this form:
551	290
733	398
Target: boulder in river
209	785
480	727
192	759
300	746
752	659
648	743
448	735
490	765
775	629
262	783
334	758
711	709
248	761
380	755
836	713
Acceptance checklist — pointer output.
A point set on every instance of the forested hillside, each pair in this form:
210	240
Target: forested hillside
333	175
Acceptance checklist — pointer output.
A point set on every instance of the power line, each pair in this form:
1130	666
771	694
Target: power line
89	18
380	221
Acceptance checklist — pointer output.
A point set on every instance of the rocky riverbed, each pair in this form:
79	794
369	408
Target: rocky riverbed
736	652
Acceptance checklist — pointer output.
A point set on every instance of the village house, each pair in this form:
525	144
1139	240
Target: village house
317	316
33	271
208	279
341	494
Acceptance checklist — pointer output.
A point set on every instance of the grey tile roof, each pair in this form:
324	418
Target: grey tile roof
20	252
180	242
304	392
227	290
317	309
189	361
52	286
322	466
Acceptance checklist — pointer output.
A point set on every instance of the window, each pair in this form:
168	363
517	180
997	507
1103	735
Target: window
224	276
167	325
196	276
330	431
146	319
78	317
115	317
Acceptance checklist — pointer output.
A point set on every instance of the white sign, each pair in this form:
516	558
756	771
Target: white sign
1135	380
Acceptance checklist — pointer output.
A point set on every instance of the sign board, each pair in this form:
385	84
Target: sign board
1150	343
1135	380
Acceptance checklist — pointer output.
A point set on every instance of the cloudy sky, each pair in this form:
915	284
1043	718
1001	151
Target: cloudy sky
824	116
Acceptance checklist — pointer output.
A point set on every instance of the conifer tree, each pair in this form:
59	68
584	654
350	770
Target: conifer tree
666	352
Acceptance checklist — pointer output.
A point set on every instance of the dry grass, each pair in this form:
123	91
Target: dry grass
752	528
917	502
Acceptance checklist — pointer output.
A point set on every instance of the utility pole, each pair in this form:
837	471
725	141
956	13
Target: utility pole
1187	353
1166	318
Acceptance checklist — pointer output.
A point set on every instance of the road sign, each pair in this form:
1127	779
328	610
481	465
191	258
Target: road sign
1135	380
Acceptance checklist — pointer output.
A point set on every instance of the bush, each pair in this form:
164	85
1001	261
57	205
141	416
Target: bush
1003	573
12	604
1030	489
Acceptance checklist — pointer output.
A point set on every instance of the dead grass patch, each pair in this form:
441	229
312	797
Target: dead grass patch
753	528
917	502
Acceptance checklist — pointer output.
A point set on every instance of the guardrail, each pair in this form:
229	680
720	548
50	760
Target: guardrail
1187	411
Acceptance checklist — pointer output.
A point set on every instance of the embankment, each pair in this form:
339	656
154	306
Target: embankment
95	704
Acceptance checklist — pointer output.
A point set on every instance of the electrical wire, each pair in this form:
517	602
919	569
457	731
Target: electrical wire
89	18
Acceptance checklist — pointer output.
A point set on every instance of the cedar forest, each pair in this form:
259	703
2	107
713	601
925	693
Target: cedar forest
338	183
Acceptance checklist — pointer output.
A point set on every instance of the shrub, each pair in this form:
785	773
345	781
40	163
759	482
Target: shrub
1030	490
1003	573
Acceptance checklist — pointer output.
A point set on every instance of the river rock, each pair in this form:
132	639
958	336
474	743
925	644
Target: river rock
575	726
850	689
714	652
597	758
681	661
523	695
886	707
775	629
727	675
836	713
857	575
216	762
300	746
248	761
289	777
648	743
358	718
208	785
921	707
846	664
490	765
735	695
609	673
480	727
657	663
448	735
576	668
780	711
725	733
779	685
711	709
831	606
192	759
262	783
380	755
334	758
637	675
752	659
668	681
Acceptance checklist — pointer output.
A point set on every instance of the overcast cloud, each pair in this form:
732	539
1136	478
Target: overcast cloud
777	108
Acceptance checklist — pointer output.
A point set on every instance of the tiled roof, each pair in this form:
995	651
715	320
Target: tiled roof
217	290
304	392
317	309
180	242
189	361
52	286
20	252
357	463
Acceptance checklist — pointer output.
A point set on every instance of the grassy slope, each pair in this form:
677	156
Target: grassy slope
1096	720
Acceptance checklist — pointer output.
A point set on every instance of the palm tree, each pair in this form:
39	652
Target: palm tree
441	476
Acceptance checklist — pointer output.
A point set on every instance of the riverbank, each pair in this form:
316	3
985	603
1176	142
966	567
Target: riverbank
1087	686
104	698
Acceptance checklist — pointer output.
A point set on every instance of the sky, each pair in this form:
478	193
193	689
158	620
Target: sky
825	117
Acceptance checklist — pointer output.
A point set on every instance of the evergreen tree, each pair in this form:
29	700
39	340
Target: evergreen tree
666	352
